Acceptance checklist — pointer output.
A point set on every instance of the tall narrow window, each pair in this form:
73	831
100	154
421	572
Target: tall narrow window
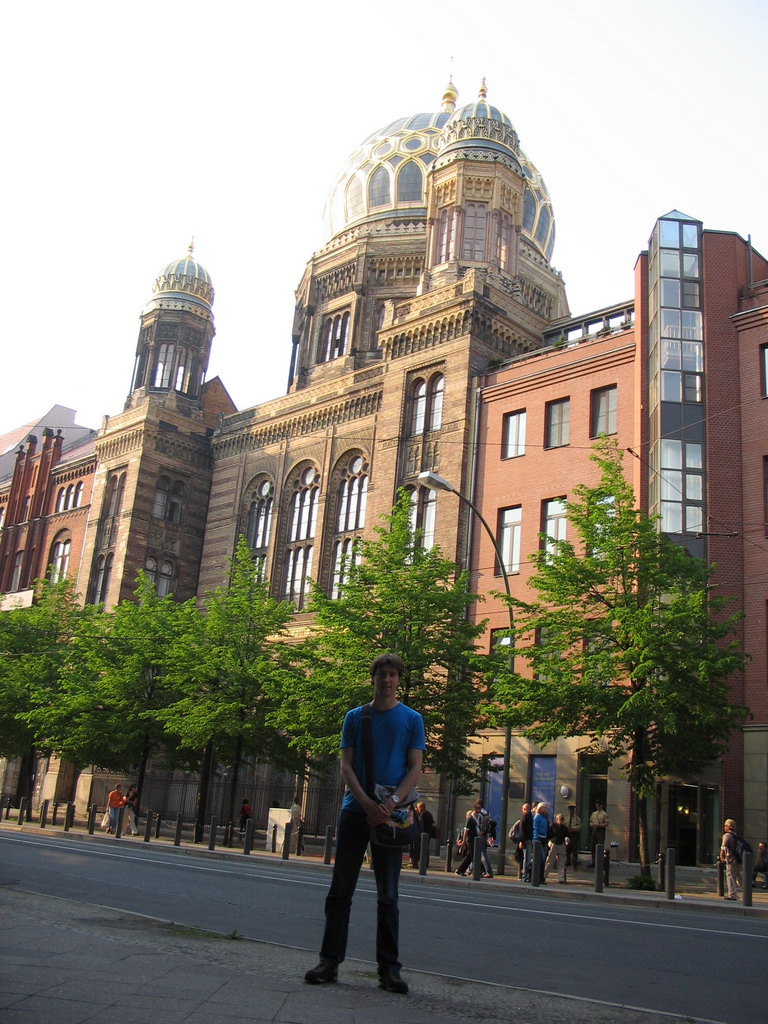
260	516
378	188
162	495
557	423
353	495
764	371
176	502
101	578
553	523
423	515
303	521
18	563
164	579
436	393
410	183
513	435
418	406
504	241
164	366
602	416
475	226
510	528
335	337
445	235
60	559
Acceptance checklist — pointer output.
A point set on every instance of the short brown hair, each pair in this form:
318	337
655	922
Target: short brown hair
388	661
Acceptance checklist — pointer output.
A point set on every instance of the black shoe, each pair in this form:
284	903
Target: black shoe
392	982
323	974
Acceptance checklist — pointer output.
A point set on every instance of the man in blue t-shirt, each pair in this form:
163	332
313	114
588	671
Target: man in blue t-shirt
398	750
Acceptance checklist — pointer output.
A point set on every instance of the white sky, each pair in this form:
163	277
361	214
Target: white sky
128	128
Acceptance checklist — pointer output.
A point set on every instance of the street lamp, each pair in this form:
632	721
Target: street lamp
438	483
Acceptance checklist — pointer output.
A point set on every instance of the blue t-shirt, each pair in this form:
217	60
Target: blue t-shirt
394	732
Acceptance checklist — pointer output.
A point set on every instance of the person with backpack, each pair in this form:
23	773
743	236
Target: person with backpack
729	856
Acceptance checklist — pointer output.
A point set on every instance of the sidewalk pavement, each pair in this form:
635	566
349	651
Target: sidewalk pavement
67	963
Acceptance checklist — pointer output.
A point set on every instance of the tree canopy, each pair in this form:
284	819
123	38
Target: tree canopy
400	597
625	642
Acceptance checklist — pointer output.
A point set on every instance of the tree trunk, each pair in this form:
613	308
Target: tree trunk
201	804
235	777
638	757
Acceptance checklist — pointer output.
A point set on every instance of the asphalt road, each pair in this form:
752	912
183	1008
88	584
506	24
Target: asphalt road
698	963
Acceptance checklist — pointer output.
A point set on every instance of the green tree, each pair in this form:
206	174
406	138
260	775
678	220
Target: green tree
626	644
402	598
115	684
34	647
233	662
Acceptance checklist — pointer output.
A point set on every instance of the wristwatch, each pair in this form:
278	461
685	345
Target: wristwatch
394	798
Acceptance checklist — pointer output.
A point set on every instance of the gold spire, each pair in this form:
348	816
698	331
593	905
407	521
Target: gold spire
450	95
191	247
483	90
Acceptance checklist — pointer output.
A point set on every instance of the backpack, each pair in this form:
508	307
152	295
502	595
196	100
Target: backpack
741	847
516	832
490	827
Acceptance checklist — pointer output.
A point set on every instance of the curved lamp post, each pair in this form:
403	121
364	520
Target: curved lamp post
438	483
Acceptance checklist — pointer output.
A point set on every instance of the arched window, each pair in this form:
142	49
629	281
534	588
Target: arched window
150	570
162	494
475	224
529	211
410	183
59	560
354	205
378	188
164	580
2	516
164	367
334	338
61	498
260	517
445	235
18	563
304	510
353	493
436	392
78	496
302	525
70	496
418	406
115	493
101	578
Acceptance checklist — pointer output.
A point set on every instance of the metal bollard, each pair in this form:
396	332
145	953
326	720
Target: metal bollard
607	867
599	853
328	850
661	872
248	841
274	838
212	838
669	886
69	816
119	827
424	853
448	857
158	823
22	809
92	818
177	830
746	877
287	840
43	813
720	878
55	813
229	835
148	826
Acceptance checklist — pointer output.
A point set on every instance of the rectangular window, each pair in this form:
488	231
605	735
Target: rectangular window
510	526
557	423
764	371
553	521
513	441
765	494
602	417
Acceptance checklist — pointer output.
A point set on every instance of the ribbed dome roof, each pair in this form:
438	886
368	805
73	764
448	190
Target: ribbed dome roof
387	173
184	282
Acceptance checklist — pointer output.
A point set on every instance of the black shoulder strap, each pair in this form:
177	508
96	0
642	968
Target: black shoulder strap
367	738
